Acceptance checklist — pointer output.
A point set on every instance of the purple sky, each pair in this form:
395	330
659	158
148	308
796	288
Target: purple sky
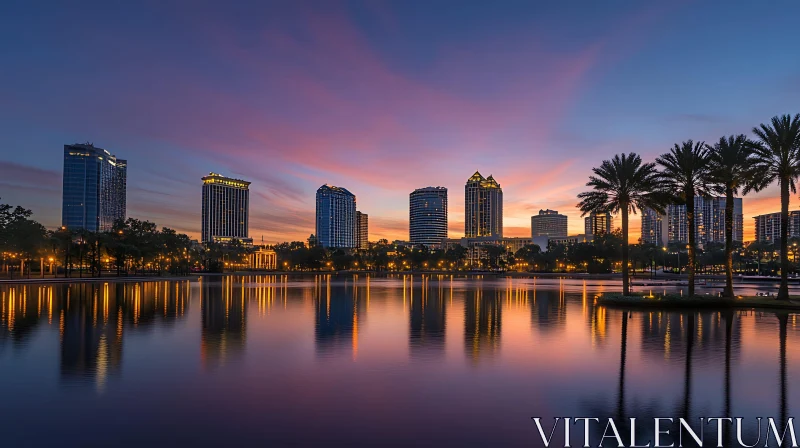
380	98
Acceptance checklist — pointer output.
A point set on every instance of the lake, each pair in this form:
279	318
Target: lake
357	360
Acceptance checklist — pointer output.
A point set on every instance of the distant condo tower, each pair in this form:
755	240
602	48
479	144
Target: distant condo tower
336	217
483	207
655	228
598	224
548	223
428	216
362	231
94	188
226	209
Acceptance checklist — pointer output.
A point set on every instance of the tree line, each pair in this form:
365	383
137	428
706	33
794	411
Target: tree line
735	164
131	247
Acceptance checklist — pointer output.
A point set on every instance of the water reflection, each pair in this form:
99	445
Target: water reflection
253	343
223	313
483	322
427	319
91	320
339	312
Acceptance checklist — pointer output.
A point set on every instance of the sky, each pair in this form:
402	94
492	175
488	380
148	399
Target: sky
379	97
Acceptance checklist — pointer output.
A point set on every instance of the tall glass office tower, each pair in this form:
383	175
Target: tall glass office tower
428	216
226	209
94	188
336	217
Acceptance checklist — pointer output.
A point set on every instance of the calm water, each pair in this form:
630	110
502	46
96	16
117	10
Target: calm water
358	361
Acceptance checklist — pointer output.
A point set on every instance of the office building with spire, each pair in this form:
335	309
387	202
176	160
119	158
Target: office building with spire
483	207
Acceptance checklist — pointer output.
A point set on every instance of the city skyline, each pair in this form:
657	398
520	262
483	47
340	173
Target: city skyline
422	107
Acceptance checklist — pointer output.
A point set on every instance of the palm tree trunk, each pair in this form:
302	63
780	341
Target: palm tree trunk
626	287
783	319
691	228
783	292
728	243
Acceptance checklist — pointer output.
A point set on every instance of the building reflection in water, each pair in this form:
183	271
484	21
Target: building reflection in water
223	310
92	319
427	316
549	310
340	310
665	335
483	316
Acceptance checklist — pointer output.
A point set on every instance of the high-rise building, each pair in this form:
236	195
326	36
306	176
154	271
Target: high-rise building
768	227
94	188
362	231
483	207
548	223
428	216
709	221
597	224
655	228
226	209
336	217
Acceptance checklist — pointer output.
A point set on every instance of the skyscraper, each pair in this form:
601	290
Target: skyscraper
427	223
94	188
598	224
768	227
483	207
655	228
226	209
362	230
709	221
336	217
548	223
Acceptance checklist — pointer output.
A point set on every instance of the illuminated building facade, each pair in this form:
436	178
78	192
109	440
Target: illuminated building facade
548	223
709	221
226	209
483	207
336	217
94	188
427	223
264	259
362	231
768	227
655	228
597	224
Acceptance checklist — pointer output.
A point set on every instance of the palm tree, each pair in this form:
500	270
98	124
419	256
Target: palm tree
777	154
731	161
686	173
623	185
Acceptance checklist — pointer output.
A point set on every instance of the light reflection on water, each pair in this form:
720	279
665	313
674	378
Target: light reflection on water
361	360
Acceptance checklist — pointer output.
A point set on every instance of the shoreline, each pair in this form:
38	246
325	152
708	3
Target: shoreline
697	302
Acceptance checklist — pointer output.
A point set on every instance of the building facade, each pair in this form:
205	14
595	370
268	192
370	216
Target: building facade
709	221
597	224
548	223
655	228
264	259
94	188
336	217
427	216
483	207
362	231
768	227
226	209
